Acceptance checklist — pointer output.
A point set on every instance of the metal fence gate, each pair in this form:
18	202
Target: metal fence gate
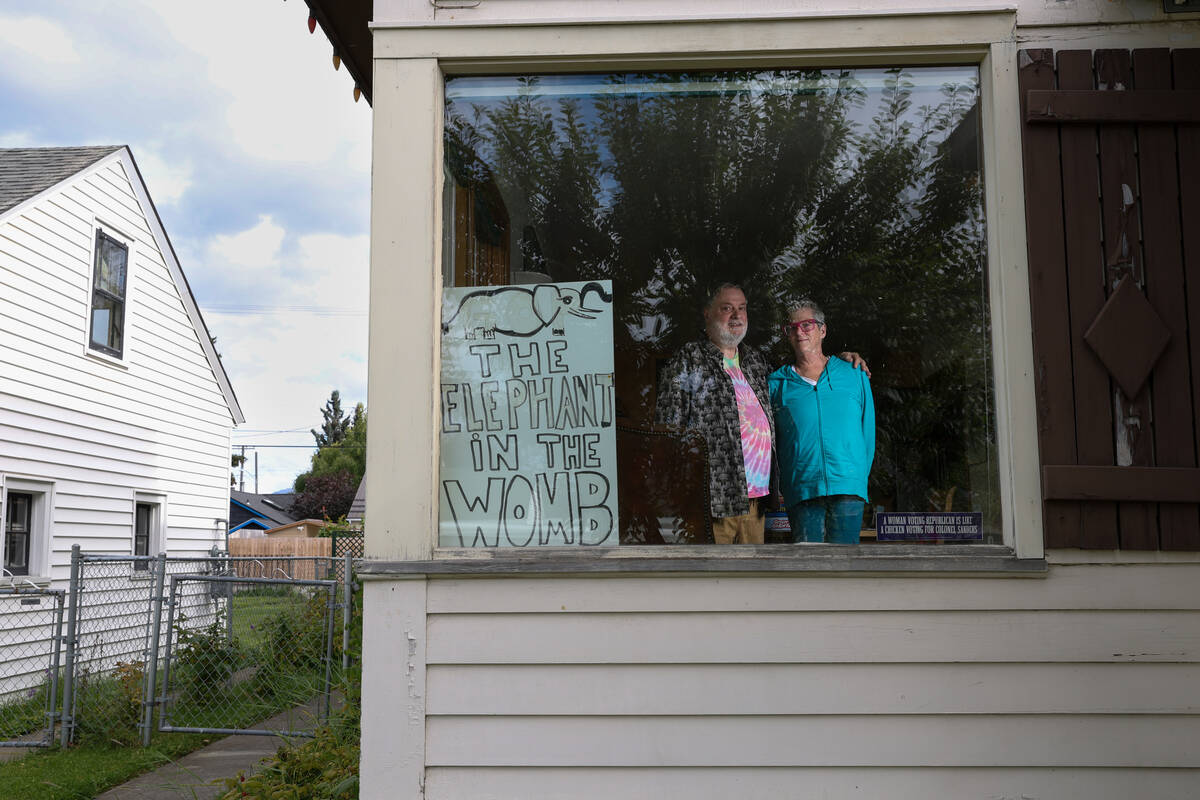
214	644
31	623
271	650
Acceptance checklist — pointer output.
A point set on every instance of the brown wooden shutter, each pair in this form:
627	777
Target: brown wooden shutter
1111	144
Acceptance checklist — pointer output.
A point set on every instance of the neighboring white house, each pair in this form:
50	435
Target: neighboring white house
115	410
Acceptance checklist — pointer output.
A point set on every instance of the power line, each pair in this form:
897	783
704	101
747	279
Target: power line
320	311
307	446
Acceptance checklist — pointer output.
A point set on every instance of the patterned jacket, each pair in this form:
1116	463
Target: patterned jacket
695	393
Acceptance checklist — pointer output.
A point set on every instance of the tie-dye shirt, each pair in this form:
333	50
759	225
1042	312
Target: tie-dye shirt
755	429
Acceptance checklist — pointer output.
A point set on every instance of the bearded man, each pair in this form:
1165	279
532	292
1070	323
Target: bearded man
718	388
715	387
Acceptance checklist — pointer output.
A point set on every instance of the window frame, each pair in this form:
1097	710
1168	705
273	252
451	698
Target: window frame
10	501
156	533
101	230
38	549
411	62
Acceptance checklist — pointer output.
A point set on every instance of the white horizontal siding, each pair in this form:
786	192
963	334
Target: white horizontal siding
1085	683
99	432
815	636
66	420
698	689
1141	586
840	740
817	783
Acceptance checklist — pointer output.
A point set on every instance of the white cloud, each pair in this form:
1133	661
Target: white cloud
17	139
216	111
339	268
273	72
167	180
293	330
283	367
256	248
36	42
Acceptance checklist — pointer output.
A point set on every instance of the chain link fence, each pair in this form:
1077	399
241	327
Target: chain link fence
114	614
31	623
272	651
213	644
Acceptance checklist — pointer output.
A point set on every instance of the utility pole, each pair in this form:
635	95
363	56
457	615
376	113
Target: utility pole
256	470
242	471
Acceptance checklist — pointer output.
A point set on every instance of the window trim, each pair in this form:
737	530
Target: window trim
107	354
40	516
410	64
156	538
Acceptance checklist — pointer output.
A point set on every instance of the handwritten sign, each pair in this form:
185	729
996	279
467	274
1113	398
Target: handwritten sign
948	526
528	447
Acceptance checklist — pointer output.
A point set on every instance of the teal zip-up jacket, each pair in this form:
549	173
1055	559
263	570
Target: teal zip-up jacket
825	433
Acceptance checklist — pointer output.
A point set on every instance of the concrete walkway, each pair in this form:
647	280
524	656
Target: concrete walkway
200	774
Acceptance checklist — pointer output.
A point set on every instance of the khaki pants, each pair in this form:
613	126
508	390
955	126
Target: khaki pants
744	529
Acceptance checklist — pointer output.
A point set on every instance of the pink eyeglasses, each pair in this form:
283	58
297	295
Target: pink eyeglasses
805	325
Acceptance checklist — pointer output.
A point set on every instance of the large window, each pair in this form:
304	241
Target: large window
107	329
857	188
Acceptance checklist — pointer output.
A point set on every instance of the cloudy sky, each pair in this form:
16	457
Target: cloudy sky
258	160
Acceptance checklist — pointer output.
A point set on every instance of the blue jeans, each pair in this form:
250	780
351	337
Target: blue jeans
836	519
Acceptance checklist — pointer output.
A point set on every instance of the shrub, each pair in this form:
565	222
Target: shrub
292	647
109	707
206	659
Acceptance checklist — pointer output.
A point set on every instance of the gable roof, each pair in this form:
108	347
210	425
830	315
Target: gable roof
271	507
29	173
256	523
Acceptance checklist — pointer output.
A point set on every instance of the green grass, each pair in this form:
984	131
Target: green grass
20	716
250	610
83	772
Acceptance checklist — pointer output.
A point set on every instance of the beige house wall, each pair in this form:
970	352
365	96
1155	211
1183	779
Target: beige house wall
692	680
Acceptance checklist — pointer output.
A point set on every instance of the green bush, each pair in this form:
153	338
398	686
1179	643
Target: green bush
109	706
292	645
206	660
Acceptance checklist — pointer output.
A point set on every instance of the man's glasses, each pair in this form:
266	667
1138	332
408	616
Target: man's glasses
805	325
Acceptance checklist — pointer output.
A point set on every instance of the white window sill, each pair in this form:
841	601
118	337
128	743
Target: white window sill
23	583
849	560
105	358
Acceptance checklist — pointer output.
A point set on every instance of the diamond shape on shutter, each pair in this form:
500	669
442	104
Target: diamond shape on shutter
1128	337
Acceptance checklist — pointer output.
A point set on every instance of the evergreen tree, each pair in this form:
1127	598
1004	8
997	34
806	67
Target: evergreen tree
335	425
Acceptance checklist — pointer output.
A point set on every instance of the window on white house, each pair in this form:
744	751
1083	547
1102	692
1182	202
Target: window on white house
107	329
627	198
143	523
18	529
148	527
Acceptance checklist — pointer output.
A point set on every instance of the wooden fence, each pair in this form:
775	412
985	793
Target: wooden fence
310	557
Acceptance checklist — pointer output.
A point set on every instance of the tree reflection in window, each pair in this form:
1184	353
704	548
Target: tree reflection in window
860	188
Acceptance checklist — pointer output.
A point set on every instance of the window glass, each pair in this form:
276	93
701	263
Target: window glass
143	518
857	189
17	522
110	266
108	295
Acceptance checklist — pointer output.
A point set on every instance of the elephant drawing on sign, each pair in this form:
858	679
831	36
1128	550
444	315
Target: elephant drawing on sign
521	310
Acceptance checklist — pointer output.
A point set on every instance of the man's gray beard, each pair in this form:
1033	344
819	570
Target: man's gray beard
724	338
